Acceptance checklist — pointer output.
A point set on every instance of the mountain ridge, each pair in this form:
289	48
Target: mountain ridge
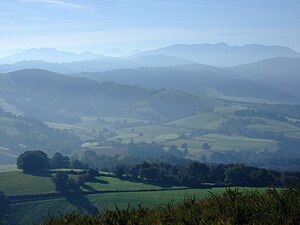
280	72
222	54
97	64
47	54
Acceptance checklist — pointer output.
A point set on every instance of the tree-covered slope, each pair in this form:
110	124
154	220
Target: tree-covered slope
19	134
50	96
200	79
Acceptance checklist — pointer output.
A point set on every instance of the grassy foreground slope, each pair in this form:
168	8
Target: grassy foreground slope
33	210
39	211
19	183
222	207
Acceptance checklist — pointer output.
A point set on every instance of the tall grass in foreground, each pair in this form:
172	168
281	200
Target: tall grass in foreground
231	208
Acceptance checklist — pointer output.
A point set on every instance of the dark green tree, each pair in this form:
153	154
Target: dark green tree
262	178
59	161
61	181
33	161
120	170
238	175
206	146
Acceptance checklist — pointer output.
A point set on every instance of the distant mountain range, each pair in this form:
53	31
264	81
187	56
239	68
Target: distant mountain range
48	55
97	64
220	54
274	79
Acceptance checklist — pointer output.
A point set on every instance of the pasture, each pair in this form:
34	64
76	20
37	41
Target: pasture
8	168
19	183
38	211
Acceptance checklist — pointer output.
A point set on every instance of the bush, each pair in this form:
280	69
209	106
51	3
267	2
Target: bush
63	182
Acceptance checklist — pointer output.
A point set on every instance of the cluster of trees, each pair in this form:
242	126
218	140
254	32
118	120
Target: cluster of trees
65	182
280	109
287	158
37	161
155	150
261	113
197	174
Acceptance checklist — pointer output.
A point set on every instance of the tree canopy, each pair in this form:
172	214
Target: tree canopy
33	161
59	161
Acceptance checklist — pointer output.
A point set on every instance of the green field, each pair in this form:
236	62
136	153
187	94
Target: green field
112	183
208	121
37	211
8	168
18	183
221	142
42	184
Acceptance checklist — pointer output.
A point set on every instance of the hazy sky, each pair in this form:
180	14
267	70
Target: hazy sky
97	25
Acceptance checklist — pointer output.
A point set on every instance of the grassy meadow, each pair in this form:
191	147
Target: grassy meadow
138	193
96	203
19	183
8	168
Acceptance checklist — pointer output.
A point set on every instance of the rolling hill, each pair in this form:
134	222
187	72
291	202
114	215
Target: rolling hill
53	97
281	72
201	79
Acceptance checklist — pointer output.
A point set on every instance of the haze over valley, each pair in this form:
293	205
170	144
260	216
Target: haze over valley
159	99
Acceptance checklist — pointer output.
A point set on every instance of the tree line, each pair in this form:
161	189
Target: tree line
189	173
196	174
